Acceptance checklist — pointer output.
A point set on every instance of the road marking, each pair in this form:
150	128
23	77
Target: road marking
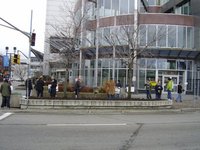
83	124
5	115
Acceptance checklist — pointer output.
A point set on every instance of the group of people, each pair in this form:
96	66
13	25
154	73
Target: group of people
111	87
39	87
158	90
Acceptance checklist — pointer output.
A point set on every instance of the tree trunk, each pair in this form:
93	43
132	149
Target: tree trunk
129	80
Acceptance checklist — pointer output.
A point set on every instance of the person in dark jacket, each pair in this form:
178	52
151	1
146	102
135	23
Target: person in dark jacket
179	92
29	87
158	90
39	87
77	88
148	89
6	93
53	88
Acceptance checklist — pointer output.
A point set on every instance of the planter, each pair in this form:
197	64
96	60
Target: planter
96	104
14	100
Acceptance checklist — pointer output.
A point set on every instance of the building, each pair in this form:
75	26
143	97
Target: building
55	22
167	40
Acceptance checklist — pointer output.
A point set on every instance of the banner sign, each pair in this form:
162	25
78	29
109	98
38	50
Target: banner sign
5	61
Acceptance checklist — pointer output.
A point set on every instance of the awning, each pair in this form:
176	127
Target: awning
175	53
107	52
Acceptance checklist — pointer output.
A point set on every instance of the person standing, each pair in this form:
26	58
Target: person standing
40	87
6	93
118	89
53	88
158	90
148	89
29	87
77	87
179	92
169	89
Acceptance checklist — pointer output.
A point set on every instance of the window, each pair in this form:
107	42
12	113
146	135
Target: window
151	74
171	36
181	37
107	7
142	63
115	7
143	33
131	6
161	36
190	39
124	7
162	64
152	2
181	65
141	79
151	63
151	35
106	36
171	64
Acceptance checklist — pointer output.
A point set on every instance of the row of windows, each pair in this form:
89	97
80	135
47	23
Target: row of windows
112	7
122	7
167	36
143	63
165	64
149	35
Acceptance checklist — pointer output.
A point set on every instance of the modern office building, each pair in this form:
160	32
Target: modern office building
168	33
55	22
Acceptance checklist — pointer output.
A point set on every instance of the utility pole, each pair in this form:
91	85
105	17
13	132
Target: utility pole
29	35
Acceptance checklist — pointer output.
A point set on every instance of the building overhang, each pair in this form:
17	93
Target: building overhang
174	53
37	54
171	53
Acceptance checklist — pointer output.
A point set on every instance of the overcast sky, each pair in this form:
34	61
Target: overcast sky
18	13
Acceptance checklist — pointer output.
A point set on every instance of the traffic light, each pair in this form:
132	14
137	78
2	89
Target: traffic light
33	36
16	59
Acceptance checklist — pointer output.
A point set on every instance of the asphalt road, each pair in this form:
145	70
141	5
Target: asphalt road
61	131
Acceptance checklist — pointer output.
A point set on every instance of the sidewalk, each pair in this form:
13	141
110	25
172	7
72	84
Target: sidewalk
189	101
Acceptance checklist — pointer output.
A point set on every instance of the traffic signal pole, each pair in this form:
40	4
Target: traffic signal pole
29	35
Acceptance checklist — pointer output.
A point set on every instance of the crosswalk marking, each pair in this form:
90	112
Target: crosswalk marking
5	115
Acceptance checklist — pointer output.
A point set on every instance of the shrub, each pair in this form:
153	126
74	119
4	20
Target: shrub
70	88
86	89
102	90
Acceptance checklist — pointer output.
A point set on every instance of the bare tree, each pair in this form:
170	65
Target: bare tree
127	45
66	42
20	71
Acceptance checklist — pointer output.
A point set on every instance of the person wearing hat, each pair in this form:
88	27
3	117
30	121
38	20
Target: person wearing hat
5	92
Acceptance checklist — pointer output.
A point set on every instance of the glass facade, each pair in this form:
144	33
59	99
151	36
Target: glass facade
148	68
115	7
173	40
162	36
